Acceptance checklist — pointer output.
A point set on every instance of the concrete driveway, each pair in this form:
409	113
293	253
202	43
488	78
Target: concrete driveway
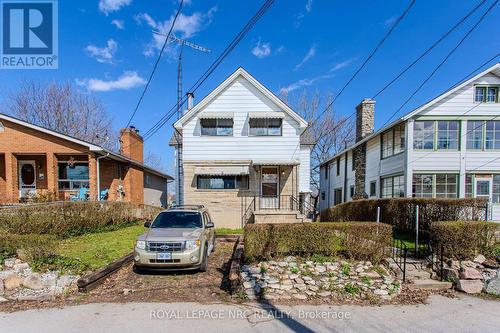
442	314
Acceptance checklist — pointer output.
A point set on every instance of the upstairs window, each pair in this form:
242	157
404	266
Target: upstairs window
265	126
487	94
393	141
475	130
338	166
430	135
483	135
216	127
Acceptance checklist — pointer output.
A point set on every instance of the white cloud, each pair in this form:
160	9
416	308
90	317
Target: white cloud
119	24
309	6
109	6
186	26
342	64
280	49
311	53
261	50
126	81
103	54
308	82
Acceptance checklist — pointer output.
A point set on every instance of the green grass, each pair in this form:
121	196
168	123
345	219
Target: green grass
227	231
408	239
98	249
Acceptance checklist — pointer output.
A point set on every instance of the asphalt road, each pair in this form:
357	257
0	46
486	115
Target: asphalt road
465	314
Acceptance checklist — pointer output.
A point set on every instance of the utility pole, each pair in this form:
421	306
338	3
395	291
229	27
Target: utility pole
179	153
182	43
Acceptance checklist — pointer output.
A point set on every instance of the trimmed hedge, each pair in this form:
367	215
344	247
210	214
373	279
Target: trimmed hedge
28	247
71	218
358	240
400	212
465	239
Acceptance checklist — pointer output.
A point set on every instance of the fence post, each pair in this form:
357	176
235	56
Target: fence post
378	214
416	229
404	264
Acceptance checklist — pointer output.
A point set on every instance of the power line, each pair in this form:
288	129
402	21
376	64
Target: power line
155	65
255	18
262	10
328	107
442	62
428	50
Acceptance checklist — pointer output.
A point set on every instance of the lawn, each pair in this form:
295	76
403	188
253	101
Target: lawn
227	231
98	249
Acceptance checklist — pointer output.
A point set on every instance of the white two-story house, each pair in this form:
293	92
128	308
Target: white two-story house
446	148
241	152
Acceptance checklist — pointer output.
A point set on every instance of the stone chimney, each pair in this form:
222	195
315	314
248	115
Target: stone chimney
365	118
131	144
190	101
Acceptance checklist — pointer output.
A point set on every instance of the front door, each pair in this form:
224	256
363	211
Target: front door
484	188
269	188
27	179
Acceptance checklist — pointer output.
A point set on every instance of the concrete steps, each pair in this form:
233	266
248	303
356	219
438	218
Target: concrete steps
429	284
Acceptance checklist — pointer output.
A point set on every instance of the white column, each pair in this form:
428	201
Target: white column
409	157
463	148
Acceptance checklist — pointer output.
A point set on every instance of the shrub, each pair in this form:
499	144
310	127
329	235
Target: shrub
359	240
69	218
465	239
27	247
400	212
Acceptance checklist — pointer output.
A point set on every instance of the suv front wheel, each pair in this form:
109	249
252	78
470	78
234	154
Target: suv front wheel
204	262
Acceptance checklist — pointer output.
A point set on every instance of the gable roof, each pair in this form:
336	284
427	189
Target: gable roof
92	147
495	70
259	86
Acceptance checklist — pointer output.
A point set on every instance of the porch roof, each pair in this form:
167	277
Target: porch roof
222	170
275	162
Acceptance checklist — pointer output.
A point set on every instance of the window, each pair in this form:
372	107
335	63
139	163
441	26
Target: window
486	94
73	176
483	135
496	189
338	166
351	191
492	137
323	195
435	185
447	136
480	94
423	135
147	179
392	187
442	134
222	182
422	186
265	126
373	189
446	186
469	180
353	154
326	170
216	127
393	141
337	196
475	134
491	97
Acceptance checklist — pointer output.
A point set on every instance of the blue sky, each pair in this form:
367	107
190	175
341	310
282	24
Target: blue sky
107	49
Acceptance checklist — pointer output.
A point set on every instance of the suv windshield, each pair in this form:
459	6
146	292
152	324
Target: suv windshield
177	220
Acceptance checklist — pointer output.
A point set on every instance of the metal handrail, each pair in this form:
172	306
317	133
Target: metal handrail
248	212
399	255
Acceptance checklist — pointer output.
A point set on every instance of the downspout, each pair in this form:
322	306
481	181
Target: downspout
99	176
345	176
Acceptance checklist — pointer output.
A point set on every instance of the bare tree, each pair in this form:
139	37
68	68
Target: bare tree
153	160
61	108
330	131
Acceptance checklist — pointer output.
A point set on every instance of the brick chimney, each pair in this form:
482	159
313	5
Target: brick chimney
365	118
131	144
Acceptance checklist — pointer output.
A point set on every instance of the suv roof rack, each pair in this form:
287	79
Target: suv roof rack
187	207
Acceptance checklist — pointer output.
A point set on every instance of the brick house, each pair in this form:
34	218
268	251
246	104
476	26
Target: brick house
35	161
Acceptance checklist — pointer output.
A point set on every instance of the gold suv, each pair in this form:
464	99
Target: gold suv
180	238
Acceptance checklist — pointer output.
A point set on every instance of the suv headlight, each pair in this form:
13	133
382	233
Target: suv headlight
192	244
141	245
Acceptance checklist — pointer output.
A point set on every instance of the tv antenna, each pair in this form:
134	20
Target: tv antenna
182	43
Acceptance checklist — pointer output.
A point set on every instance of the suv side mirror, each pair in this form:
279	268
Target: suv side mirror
147	224
209	225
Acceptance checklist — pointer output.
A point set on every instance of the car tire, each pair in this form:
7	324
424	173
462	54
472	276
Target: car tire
204	262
